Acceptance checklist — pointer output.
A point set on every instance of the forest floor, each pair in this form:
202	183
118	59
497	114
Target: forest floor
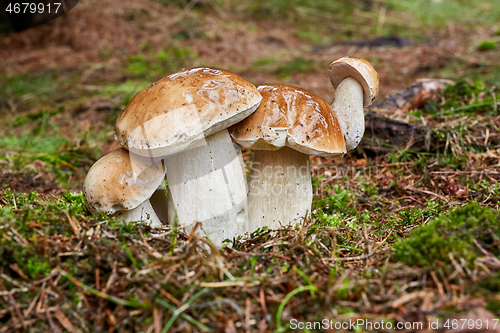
404	230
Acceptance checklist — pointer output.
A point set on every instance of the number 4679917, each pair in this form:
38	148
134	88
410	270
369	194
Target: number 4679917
32	7
471	324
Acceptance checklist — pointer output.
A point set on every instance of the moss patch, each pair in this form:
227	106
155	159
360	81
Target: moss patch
451	232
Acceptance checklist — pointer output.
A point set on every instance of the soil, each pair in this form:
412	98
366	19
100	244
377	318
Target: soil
42	182
101	35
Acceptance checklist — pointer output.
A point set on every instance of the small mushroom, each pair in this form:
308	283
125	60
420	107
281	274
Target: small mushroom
182	118
124	186
356	85
289	125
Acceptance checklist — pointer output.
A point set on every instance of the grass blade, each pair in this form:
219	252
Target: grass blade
280	328
182	309
184	316
111	298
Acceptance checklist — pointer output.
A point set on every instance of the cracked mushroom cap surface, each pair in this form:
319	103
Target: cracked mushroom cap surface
182	108
293	117
119	181
361	70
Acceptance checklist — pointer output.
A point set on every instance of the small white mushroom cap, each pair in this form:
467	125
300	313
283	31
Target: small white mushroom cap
361	70
121	182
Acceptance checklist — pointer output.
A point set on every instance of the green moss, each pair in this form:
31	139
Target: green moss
493	305
258	64
338	201
313	35
452	161
451	232
492	284
30	85
298	65
487	45
461	98
38	138
155	65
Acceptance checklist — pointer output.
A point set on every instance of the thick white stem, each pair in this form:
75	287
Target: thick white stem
280	188
144	212
207	184
348	106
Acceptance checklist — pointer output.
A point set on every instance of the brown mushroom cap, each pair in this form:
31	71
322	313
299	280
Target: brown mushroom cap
361	70
118	182
182	108
294	117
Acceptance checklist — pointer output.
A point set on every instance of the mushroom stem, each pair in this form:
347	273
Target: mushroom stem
207	184
348	106
143	212
280	188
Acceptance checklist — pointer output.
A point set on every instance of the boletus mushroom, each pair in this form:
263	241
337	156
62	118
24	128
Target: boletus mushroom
289	125
182	118
356	85
123	186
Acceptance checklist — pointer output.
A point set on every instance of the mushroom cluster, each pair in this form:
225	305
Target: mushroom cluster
177	128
